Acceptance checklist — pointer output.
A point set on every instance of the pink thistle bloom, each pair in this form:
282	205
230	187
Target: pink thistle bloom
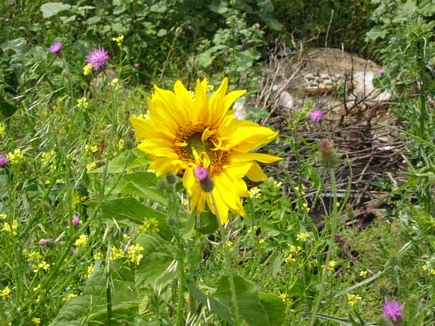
76	220
381	71
200	173
97	58
316	115
55	48
392	310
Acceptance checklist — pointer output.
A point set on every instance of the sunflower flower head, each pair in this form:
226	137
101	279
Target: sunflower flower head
199	138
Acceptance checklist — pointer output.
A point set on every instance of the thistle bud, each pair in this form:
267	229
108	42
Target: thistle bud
205	181
328	155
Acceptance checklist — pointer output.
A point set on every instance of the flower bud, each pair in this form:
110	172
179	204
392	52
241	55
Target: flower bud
205	181
328	155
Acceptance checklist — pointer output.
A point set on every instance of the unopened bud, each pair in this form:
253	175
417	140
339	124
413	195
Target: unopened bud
328	155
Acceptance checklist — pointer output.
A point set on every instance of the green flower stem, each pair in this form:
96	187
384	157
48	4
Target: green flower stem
333	219
227	263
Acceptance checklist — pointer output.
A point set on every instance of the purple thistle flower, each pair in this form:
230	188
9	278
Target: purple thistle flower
205	182
3	160
136	65
316	115
392	310
381	71
97	58
76	220
55	48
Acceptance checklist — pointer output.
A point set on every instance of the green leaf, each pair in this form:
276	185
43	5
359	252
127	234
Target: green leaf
129	159
211	303
248	300
130	212
91	307
93	20
207	223
162	32
143	184
153	269
53	8
274	307
272	23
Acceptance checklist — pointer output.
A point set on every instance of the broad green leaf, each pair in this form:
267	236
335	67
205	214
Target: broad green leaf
91	307
143	184
18	45
248	300
129	159
153	268
130	212
53	8
274	306
211	303
207	223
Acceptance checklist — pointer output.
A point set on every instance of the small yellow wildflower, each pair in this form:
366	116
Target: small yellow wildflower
91	148
424	267
254	192
134	253
91	166
47	156
277	184
331	265
121	144
432	271
87	69
300	190
305	205
114	83
352	299
36	288
295	249
303	236
261	241
149	224
2	129
126	237
81	241
10	228
116	253
363	273
253	229
98	256
36	320
15	157
283	296
3	217
60	181
68	297
230	245
41	266
82	103
89	270
288	258
33	256
6	292
118	40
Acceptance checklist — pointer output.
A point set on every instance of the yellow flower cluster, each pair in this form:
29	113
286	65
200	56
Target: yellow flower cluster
82	103
352	299
91	148
149	224
81	241
121	144
87	69
114	83
116	253
10	228
6	292
303	236
134	253
289	258
2	129
16	156
43	265
91	166
36	320
68	297
277	184
331	266
47	156
118	40
254	192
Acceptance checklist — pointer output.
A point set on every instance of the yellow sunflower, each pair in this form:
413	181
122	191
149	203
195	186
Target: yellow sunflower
186	131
